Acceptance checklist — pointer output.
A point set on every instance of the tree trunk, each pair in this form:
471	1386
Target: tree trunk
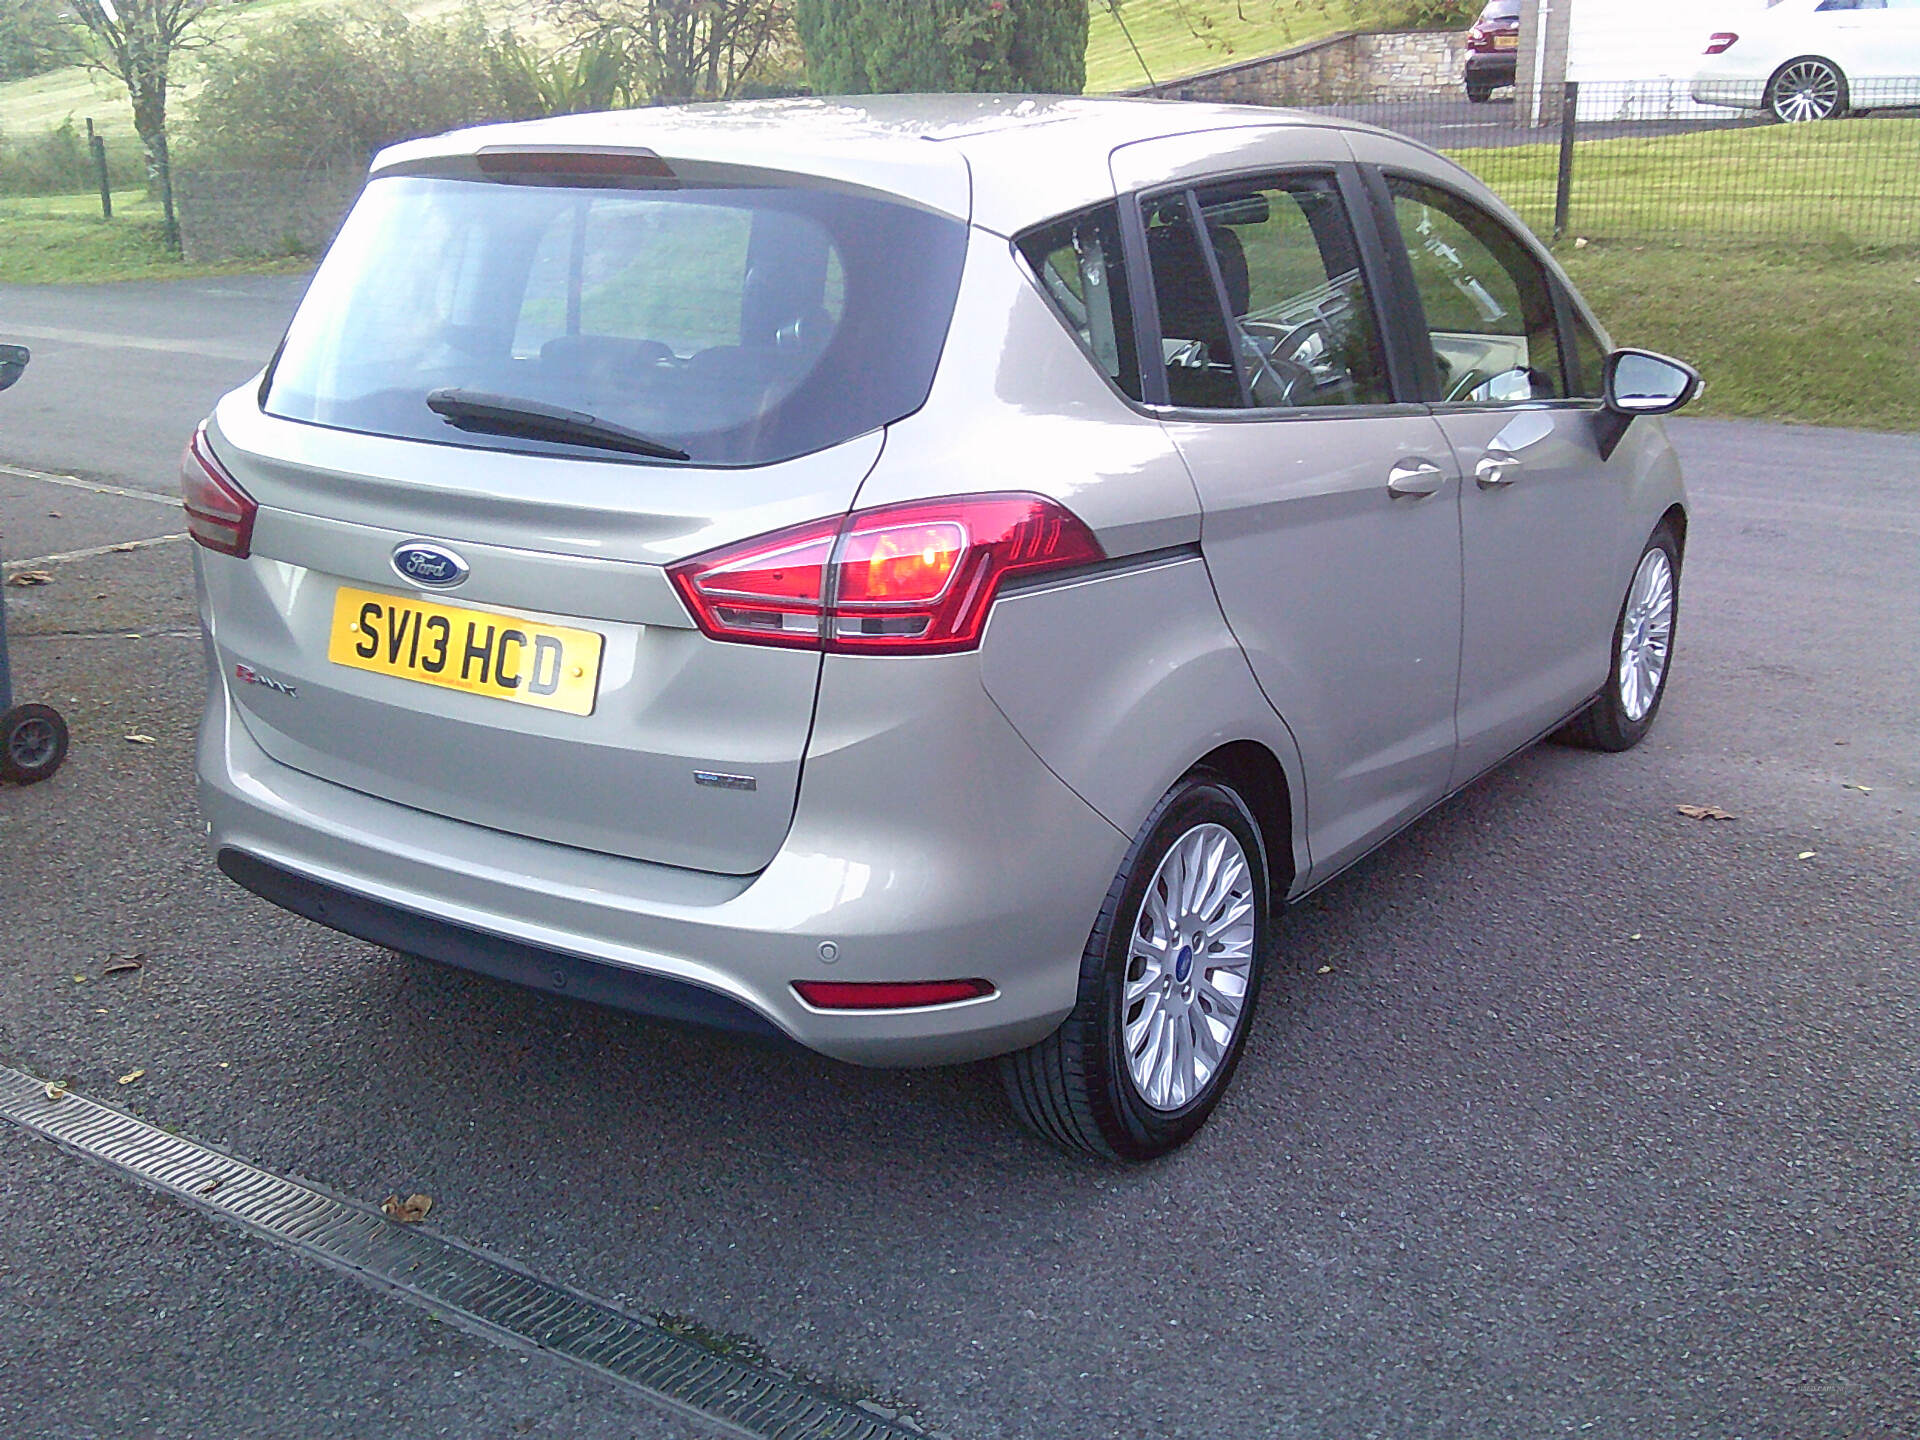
150	122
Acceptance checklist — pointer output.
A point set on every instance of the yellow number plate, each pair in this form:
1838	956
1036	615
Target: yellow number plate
1506	42
483	653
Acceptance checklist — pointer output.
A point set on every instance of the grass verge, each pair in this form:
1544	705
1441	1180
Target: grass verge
62	239
1855	181
1819	334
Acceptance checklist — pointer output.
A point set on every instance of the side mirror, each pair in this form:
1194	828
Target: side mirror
1640	382
13	361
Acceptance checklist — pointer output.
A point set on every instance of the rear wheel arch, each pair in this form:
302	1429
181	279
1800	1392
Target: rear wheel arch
1256	772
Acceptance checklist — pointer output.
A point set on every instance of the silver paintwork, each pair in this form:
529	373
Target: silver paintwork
937	816
1189	966
1646	634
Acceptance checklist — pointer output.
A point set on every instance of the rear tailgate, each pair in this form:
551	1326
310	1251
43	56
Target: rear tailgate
689	753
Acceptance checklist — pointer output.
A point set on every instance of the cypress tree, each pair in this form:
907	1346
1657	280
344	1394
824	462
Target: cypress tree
860	47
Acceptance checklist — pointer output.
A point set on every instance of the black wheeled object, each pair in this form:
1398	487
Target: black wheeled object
33	738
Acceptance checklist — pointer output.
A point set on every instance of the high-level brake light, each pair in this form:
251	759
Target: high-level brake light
220	514
910	579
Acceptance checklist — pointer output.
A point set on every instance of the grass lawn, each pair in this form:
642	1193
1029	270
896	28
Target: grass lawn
1182	37
1823	334
41	102
1853	180
61	238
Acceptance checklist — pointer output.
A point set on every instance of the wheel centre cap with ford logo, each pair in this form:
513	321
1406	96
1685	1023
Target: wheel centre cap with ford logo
419	563
1183	964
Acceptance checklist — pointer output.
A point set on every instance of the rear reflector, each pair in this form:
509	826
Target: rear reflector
220	514
888	994
1721	42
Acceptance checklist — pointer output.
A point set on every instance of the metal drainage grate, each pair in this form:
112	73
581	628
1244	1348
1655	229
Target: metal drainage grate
447	1276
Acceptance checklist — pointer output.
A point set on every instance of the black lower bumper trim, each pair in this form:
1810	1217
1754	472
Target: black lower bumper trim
512	960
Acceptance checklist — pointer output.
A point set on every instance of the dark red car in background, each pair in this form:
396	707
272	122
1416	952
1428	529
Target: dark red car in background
1492	44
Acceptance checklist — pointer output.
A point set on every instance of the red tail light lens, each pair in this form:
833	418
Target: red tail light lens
219	513
1721	42
917	578
1479	37
888	994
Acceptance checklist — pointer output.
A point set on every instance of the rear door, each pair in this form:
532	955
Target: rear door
455	605
1330	518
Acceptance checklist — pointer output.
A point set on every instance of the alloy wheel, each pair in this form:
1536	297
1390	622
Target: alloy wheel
1189	967
1646	634
1806	90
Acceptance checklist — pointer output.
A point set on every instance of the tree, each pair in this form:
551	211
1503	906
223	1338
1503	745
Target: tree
681	49
879	46
135	41
33	38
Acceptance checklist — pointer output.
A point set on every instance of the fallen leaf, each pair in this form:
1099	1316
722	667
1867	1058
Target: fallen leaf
1863	789
79	979
30	577
1704	812
1808	854
123	549
120	964
1324	970
211	1186
131	1076
407	1211
1634	936
56	1090
141	740
53	515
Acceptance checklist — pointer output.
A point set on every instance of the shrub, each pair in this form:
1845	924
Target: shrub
325	88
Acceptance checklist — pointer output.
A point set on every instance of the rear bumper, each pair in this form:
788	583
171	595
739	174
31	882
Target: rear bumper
1738	94
989	867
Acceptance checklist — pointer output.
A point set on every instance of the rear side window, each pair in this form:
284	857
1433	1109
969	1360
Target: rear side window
1077	262
1489	308
1297	320
740	325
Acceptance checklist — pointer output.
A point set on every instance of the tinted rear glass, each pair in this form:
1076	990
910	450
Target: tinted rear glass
742	326
1501	10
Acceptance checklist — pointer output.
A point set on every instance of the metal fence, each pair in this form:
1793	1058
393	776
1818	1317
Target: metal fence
1642	160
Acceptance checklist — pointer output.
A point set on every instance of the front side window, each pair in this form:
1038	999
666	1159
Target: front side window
1489	308
736	326
1297	329
1078	264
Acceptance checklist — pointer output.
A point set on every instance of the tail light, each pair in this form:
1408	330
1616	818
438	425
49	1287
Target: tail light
1721	42
910	579
1479	37
888	994
219	513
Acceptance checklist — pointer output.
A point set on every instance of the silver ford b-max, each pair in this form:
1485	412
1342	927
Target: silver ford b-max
928	577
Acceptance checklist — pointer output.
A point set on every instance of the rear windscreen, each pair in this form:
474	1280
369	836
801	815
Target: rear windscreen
742	326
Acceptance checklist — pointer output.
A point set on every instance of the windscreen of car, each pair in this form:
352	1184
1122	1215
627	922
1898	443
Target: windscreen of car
1501	10
741	326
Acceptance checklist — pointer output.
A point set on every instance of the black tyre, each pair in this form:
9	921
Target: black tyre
33	742
1479	94
1643	637
1807	89
1168	984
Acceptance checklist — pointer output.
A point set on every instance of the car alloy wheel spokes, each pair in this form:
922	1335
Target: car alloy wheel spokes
1189	965
1646	635
1806	92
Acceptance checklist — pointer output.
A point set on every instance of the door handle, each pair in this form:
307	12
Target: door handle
1497	468
1415	478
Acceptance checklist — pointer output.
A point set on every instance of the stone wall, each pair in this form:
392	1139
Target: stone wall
230	214
1339	69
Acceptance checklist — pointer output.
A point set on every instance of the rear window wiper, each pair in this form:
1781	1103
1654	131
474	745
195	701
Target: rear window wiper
479	410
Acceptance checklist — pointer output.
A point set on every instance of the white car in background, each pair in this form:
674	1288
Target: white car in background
1815	59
